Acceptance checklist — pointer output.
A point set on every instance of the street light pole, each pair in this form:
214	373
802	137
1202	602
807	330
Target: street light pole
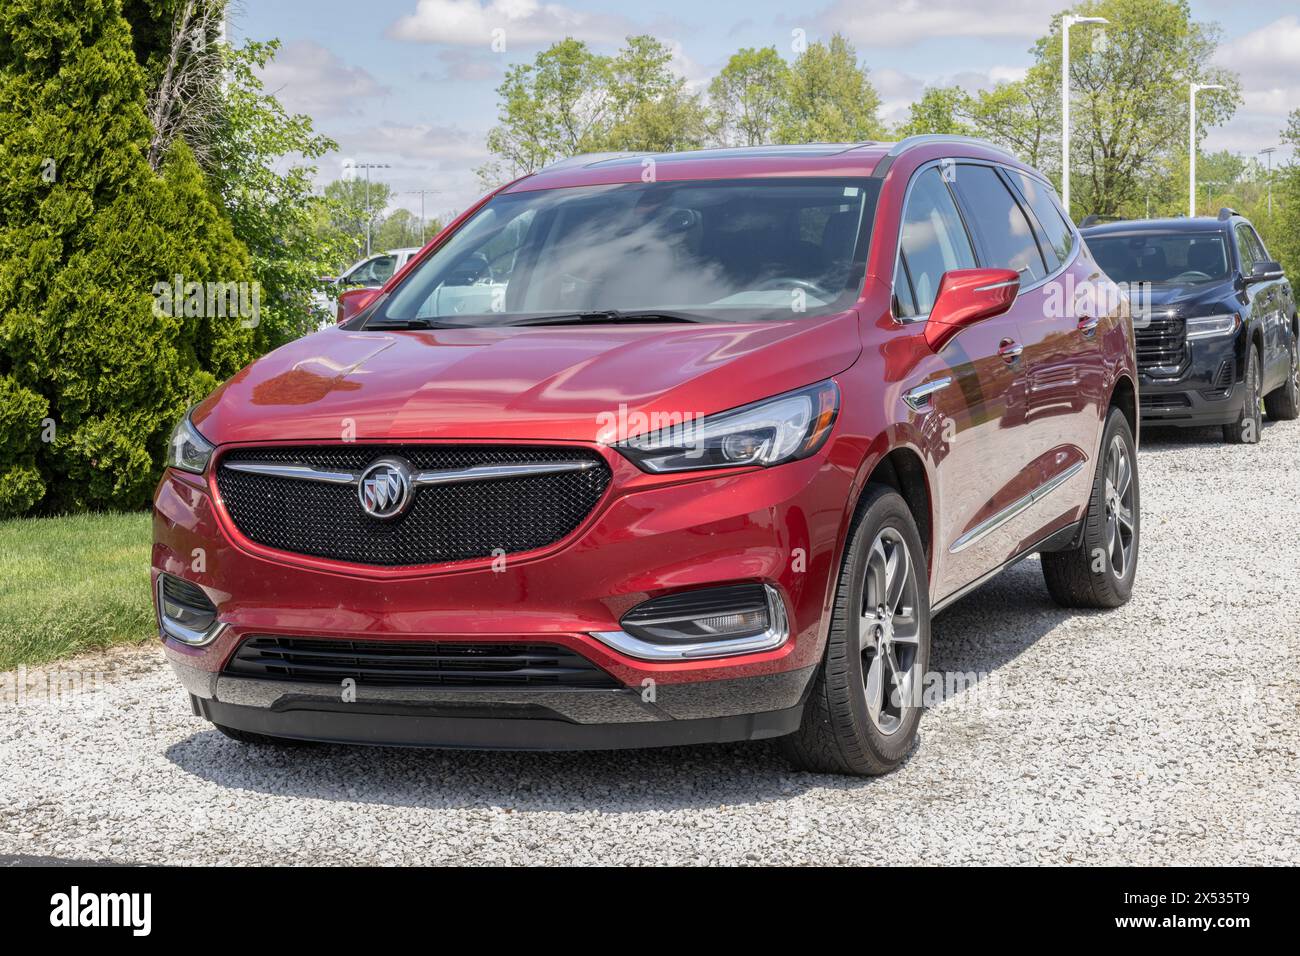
1269	151
1068	21
1191	143
367	167
422	193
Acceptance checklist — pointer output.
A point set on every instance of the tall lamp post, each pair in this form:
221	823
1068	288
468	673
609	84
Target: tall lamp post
1068	21
367	167
1269	151
1191	142
422	193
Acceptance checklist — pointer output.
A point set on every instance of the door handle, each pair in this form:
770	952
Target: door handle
1010	350
1088	325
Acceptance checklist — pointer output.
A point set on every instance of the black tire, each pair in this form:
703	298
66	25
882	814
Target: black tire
1283	403
838	733
1087	576
260	740
1246	429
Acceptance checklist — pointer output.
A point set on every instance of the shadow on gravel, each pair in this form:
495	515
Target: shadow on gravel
1172	438
980	633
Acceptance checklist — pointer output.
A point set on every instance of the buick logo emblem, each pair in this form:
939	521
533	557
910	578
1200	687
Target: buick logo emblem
385	489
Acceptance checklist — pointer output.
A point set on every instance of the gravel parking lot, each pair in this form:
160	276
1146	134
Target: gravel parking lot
1166	732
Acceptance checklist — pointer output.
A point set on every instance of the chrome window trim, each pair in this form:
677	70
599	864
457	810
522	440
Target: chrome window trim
902	221
777	633
1017	507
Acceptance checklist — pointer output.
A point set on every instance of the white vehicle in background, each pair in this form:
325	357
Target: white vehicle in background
370	273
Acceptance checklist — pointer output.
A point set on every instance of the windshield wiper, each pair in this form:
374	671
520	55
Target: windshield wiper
406	324
609	316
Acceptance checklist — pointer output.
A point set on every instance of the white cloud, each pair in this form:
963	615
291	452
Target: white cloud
899	90
524	22
307	78
1268	62
879	23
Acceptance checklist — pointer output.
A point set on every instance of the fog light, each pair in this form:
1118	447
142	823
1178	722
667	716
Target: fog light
185	612
712	622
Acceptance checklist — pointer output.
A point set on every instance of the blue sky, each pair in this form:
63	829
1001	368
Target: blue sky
412	82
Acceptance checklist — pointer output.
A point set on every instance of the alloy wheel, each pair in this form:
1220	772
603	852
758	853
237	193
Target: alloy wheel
1120	521
889	631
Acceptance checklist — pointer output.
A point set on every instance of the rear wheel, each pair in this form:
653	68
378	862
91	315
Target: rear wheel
865	706
1100	571
1283	403
1245	430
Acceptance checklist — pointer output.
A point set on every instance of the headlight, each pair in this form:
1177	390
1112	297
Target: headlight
1208	325
187	449
775	430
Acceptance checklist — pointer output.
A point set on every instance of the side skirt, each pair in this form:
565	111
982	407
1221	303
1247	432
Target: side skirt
1062	540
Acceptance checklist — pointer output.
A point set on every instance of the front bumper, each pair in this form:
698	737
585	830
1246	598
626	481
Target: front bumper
779	527
1208	391
506	719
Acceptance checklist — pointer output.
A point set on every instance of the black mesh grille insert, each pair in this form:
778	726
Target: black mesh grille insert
444	522
414	663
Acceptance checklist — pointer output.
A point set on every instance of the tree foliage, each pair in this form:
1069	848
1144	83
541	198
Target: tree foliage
828	97
92	375
746	96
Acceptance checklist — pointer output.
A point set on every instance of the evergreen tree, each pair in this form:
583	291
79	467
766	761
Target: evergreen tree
87	233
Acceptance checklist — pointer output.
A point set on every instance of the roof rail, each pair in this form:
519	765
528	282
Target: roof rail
586	159
925	139
1093	219
1226	213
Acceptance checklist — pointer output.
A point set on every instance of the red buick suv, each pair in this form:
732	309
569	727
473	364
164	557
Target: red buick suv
661	449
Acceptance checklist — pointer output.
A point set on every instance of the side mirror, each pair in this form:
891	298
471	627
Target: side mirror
352	301
1263	271
967	296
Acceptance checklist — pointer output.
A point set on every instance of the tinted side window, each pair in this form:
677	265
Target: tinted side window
1054	229
1251	249
1001	228
934	242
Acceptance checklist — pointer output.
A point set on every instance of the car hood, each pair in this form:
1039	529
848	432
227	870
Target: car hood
579	383
1184	295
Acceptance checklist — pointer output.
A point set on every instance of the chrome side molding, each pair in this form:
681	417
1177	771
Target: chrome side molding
992	523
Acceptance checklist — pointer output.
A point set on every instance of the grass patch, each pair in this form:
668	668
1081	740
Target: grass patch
72	583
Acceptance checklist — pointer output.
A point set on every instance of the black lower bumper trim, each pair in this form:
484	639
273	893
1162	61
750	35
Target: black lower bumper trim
410	728
1189	407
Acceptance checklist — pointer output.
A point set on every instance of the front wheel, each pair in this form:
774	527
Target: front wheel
1245	430
1100	570
865	706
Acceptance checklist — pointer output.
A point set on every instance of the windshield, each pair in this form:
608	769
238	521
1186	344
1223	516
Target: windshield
1174	257
735	249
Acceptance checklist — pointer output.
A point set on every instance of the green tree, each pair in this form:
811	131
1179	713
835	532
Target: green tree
938	110
570	100
92	374
828	97
400	228
675	120
1023	117
351	204
1284	241
261	165
746	96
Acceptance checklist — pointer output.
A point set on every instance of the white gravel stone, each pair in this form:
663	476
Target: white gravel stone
1165	732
